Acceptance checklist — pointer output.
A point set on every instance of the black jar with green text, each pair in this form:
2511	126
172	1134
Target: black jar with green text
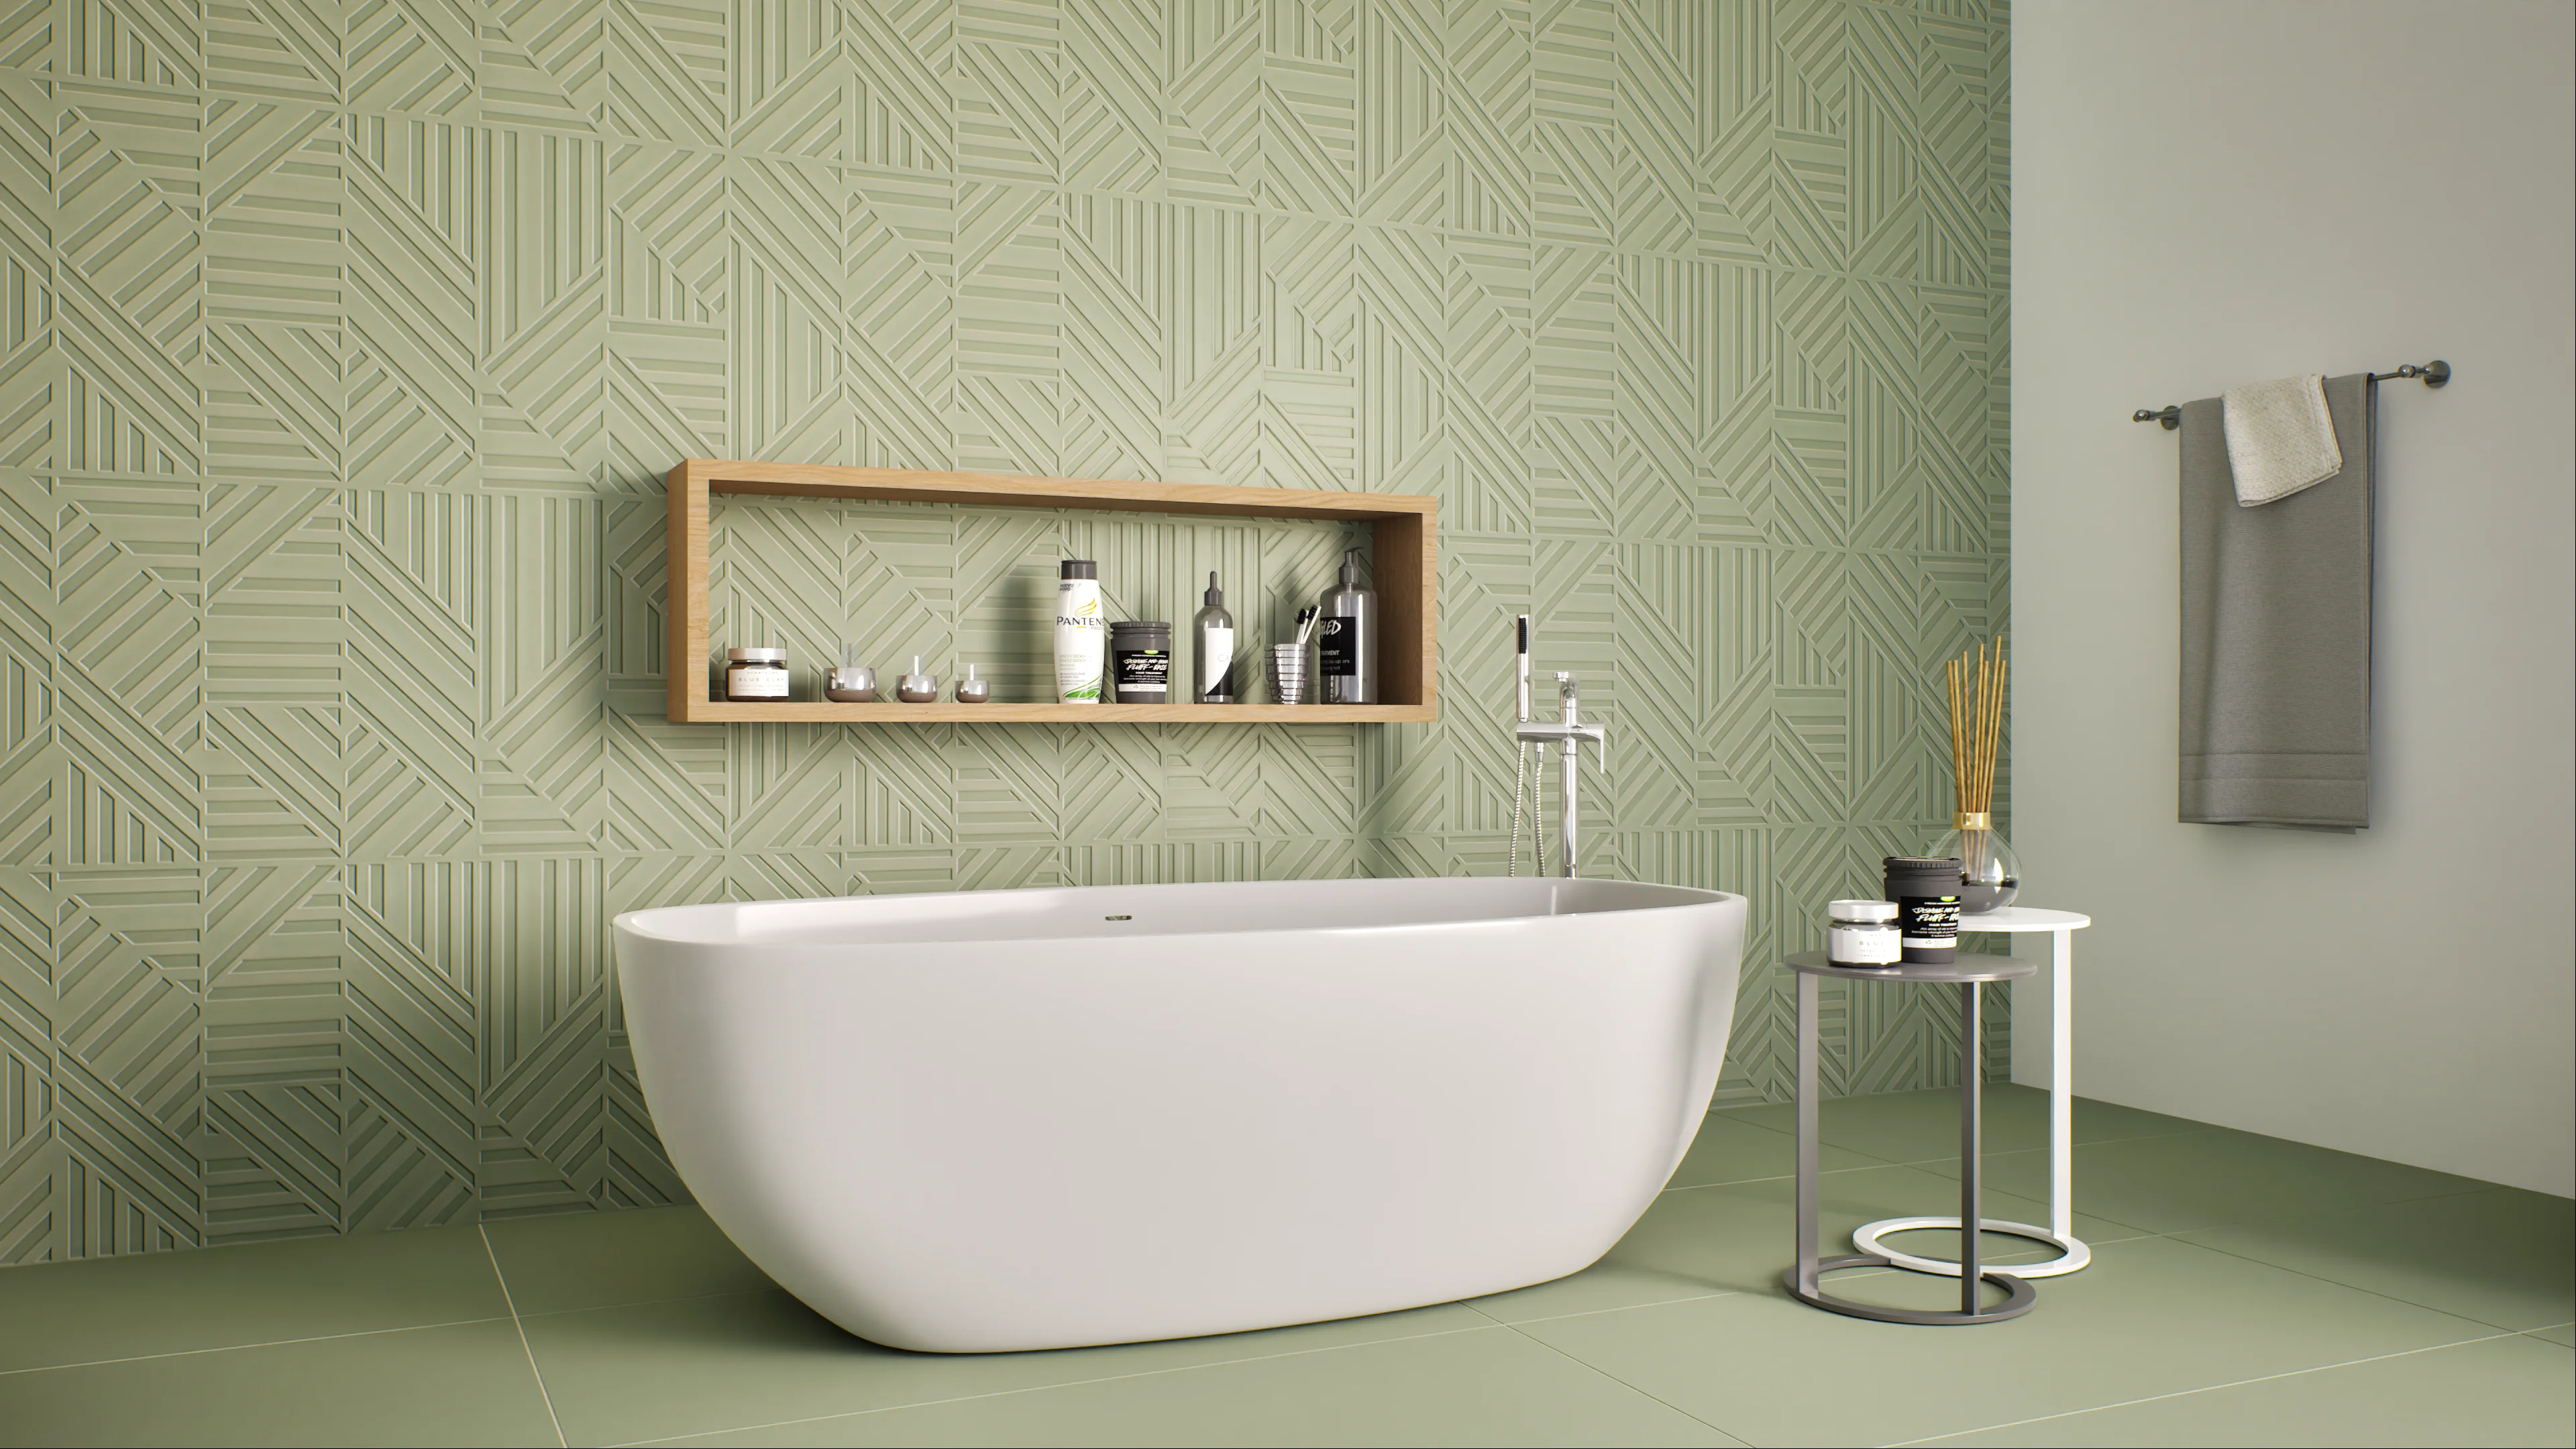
1926	892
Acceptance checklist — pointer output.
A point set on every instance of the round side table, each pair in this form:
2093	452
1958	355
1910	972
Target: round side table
2072	1253
1968	973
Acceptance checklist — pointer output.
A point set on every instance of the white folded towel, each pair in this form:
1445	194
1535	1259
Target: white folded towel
2280	438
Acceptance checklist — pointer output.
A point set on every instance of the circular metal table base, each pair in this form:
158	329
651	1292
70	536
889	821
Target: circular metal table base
2018	1297
2072	1254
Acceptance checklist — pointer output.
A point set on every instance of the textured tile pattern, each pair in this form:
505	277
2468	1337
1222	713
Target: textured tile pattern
342	350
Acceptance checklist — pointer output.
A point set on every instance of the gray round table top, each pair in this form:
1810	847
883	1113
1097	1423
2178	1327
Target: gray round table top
1969	967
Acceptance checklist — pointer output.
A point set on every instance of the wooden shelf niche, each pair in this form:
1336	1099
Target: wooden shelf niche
1405	558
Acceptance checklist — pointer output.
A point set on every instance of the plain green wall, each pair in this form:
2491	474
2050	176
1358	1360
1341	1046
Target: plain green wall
342	352
2331	995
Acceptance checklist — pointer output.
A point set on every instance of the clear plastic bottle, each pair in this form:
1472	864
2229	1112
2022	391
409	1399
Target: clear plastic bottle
1212	650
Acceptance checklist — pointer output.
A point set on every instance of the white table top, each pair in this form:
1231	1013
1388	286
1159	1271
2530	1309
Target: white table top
2024	918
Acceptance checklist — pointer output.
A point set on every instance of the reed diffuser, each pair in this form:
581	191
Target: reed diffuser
1993	876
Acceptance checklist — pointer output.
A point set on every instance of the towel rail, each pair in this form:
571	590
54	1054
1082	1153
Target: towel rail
2434	373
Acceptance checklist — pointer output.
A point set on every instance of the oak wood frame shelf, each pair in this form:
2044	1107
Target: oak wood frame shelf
1405	559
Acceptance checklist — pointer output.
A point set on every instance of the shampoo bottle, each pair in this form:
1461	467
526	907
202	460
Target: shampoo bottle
1349	638
1080	636
1212	649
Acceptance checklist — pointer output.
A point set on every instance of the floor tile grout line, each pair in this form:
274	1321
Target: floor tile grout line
2278	1217
2194	1130
2203	1389
2137	1232
1042	1388
2140	1230
1791	1132
1874	1158
2043	1147
2355	1287
2356	1207
2142	1236
507	1301
1620	1308
46	1368
654	1302
1480	1312
2000	1266
1614	1378
2477	1185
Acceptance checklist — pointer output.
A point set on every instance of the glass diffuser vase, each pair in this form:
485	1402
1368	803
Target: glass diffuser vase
1993	873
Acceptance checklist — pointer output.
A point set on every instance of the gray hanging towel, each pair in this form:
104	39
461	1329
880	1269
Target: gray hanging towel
2276	633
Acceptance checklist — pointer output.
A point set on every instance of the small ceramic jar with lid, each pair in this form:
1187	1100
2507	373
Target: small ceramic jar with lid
1861	933
756	674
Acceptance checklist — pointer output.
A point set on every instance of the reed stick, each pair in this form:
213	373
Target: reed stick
1975	683
1958	746
1977	840
1977	728
1993	722
1985	717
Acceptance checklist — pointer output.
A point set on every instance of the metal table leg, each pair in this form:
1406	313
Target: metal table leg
1801	1280
1807	1127
1972	1147
2061	1102
2072	1252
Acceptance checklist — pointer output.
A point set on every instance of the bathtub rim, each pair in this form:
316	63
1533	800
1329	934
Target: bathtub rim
1684	897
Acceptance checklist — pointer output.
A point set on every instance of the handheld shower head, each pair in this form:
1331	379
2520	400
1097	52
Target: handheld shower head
1523	696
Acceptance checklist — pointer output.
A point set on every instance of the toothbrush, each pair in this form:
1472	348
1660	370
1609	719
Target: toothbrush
1306	623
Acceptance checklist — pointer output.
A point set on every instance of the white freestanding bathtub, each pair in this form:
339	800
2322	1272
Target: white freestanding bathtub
1042	1118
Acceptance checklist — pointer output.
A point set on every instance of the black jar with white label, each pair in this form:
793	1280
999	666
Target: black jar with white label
1926	892
1140	660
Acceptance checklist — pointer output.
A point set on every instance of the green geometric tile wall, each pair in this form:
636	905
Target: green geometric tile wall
343	350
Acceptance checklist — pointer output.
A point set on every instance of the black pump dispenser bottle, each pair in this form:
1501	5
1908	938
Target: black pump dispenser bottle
1348	638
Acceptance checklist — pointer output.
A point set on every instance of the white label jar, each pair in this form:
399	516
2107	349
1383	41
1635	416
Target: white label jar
1861	933
755	674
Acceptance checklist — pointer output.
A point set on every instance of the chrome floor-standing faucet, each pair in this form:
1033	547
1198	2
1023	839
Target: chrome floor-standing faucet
1567	733
1525	785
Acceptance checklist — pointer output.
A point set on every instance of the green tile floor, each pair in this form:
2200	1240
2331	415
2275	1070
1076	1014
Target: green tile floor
2244	1290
